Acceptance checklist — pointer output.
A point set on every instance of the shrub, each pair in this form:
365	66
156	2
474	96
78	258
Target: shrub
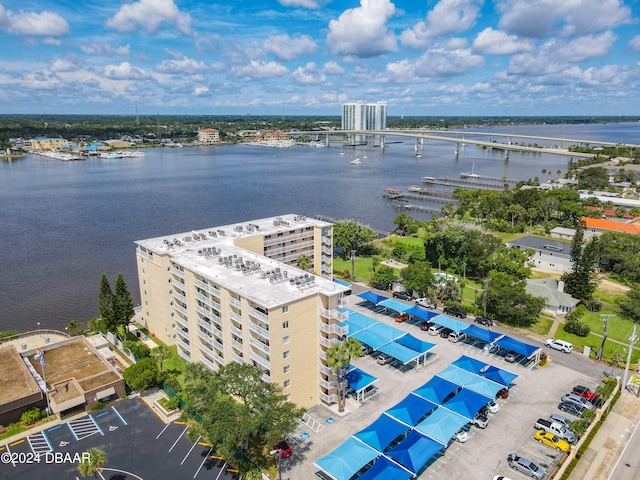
138	349
31	416
580	329
173	383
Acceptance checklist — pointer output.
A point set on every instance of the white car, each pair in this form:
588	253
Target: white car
462	436
425	302
493	407
561	345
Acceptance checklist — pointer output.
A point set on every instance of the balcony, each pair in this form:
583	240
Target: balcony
185	345
203	311
237	345
181	321
333	398
234	316
207	326
237	358
177	284
207	288
287	238
260	360
236	331
326	250
205	361
323	355
178	273
334	328
203	298
334	314
259	330
178	296
326	370
217	332
289	248
259	345
180	309
326	259
254	312
205	337
184	355
218	345
218	358
182	333
328	385
235	302
325	342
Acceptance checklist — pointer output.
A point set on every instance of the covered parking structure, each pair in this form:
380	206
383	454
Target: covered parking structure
530	352
472	381
395	305
482	334
407	349
356	322
347	459
442	425
498	375
412	409
359	380
467	403
372	297
450	323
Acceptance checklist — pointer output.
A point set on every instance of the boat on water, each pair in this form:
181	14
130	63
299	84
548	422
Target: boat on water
418	155
109	155
356	161
473	173
342	153
131	154
428	179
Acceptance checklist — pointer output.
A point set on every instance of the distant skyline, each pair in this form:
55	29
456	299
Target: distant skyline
307	57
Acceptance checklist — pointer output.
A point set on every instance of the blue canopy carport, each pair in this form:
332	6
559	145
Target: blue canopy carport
470	364
357	322
437	389
450	323
382	432
378	334
482	333
421	313
442	425
499	375
412	409
415	451
395	305
359	380
385	469
467	403
529	351
471	381
408	344
371	297
347	459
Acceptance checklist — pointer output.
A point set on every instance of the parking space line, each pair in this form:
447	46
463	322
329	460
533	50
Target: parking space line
118	415
165	427
54	428
96	424
39	443
178	439
204	460
190	450
10	456
72	432
102	414
16	443
221	470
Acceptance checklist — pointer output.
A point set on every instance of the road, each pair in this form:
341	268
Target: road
628	465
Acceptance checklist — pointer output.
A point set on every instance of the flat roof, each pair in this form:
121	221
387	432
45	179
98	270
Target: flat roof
15	380
255	284
543	244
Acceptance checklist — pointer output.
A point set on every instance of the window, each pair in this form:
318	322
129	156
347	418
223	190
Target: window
287	383
285	309
285	339
285	324
286	369
285	354
287	397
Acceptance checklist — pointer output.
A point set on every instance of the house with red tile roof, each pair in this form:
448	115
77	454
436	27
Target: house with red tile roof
598	226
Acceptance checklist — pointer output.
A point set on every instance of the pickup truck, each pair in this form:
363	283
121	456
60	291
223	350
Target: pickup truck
555	428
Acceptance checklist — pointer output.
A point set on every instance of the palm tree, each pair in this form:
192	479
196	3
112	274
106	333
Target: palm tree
303	262
92	463
339	358
73	327
160	354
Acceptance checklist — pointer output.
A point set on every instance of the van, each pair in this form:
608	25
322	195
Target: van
456	336
561	345
434	329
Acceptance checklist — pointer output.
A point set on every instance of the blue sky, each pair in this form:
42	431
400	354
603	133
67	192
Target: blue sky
446	57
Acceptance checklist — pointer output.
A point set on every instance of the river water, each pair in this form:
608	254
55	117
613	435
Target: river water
65	223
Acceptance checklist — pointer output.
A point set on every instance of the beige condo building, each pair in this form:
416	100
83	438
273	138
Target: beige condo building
209	136
233	294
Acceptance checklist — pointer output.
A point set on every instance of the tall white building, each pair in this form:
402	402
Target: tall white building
364	116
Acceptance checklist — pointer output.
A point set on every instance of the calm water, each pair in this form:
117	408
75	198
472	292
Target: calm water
64	224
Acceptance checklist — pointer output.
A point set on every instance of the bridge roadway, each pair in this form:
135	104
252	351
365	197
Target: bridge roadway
420	134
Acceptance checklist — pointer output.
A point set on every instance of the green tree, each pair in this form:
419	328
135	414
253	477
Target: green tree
93	464
74	328
383	277
512	261
160	354
137	349
339	357
635	212
581	281
630	304
122	305
105	304
142	375
303	262
593	178
620	253
97	324
508	302
349	235
419	277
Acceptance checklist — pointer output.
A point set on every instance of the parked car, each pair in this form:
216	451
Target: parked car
456	336
425	302
425	326
434	329
480	420
585	392
573	408
370	391
402	295
556	417
401	317
455	312
283	449
444	333
561	345
525	466
555	428
504	393
511	357
551	440
366	350
484	321
462	436
383	359
500	477
572	397
493	407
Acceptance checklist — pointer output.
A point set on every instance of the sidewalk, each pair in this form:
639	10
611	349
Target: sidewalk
605	448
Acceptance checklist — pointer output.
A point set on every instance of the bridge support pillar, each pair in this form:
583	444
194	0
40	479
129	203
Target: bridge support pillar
382	140
326	140
457	149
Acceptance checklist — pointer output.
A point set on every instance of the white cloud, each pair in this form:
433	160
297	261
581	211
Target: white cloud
437	63
62	65
634	43
448	16
125	71
496	42
576	17
309	74
150	15
98	48
199	91
302	3
258	70
362	31
285	47
332	68
184	65
43	24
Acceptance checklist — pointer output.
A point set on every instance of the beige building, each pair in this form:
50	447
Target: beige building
44	143
233	294
209	136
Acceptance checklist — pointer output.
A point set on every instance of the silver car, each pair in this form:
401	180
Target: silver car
525	466
572	397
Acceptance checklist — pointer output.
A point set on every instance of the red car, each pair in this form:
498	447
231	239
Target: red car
284	449
585	393
425	326
504	393
402	317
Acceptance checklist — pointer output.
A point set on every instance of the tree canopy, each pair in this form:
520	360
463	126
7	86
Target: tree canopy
142	375
349	235
508	302
383	277
418	276
581	282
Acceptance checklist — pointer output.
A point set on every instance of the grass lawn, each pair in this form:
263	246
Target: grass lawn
618	327
175	364
611	349
410	242
606	297
542	326
363	267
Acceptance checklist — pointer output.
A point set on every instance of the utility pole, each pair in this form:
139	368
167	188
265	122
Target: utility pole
353	265
632	341
605	320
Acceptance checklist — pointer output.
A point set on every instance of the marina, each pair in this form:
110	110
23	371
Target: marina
63	156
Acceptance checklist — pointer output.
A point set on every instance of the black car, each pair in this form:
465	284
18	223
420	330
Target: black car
402	295
444	333
484	321
455	312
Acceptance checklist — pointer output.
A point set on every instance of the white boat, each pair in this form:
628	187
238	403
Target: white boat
428	179
131	154
356	162
342	153
109	155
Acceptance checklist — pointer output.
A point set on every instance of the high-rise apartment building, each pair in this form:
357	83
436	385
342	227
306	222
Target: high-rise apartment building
209	136
364	116
233	294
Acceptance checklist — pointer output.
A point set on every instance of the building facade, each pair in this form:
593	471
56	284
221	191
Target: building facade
45	143
209	136
233	294
364	116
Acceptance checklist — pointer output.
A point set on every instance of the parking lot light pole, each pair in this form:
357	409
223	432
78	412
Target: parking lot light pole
632	341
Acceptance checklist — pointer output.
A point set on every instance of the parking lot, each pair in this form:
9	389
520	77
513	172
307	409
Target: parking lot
137	443
536	393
